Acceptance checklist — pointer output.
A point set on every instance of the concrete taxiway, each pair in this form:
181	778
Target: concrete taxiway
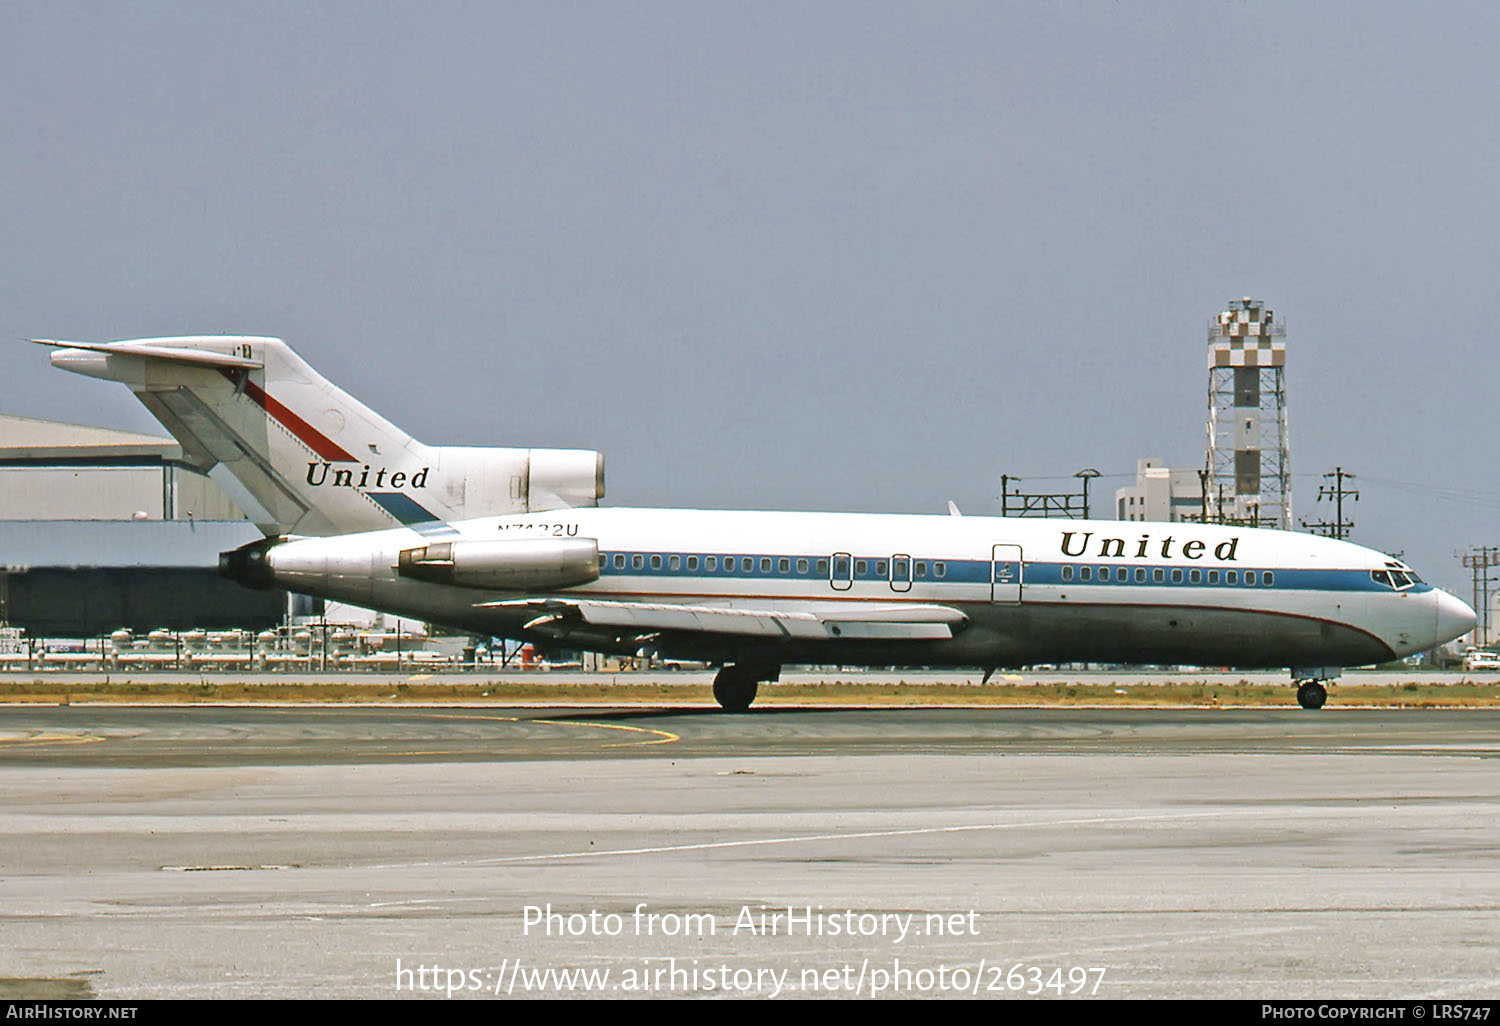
295	852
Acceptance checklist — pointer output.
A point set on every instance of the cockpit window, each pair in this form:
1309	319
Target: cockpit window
1398	580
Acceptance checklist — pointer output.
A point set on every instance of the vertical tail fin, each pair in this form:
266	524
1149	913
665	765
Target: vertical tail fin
301	456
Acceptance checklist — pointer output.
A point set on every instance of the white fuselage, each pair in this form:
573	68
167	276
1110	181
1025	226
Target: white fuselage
1029	590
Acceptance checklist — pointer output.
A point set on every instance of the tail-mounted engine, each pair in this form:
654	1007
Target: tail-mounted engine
248	564
542	564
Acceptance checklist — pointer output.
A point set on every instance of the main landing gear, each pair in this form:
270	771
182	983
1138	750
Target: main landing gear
1311	694
735	686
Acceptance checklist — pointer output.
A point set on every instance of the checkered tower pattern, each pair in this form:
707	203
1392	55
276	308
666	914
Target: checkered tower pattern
1249	460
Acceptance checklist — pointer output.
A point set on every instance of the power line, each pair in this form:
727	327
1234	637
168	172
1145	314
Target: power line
1447	493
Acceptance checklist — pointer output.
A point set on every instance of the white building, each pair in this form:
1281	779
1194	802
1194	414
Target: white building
1160	493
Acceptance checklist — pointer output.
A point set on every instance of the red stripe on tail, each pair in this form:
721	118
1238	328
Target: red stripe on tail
305	432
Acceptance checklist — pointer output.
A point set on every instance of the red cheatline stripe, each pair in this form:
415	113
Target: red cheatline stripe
309	435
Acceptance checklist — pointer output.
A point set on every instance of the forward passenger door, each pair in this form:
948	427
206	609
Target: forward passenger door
1006	571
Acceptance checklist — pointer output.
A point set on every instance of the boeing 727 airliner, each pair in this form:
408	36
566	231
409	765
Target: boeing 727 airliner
753	591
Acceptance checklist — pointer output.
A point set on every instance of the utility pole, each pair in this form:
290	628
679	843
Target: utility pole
1223	505
1086	473
1070	505
1340	527
1479	560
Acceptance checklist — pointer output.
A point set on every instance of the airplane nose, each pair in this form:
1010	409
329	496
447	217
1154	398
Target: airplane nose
1454	617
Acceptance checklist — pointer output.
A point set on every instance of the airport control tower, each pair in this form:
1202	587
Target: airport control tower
1249	455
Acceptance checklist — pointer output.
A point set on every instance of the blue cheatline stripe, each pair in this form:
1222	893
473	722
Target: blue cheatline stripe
733	566
403	507
411	513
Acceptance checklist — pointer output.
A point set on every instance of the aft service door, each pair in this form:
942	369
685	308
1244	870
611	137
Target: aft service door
1005	574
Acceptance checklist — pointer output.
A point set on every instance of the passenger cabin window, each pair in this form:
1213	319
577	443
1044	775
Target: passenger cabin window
802	566
656	562
783	566
710	562
1176	576
1268	579
1231	576
940	569
1159	575
619	561
1195	576
859	567
747	564
1085	573
1067	573
921	568
765	564
1140	575
822	567
636	562
1213	577
674	562
692	563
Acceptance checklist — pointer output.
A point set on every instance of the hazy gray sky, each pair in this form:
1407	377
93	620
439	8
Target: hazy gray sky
863	256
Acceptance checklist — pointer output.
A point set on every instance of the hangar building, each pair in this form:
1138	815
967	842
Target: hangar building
102	529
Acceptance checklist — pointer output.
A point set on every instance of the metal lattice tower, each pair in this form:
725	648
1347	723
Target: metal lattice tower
1249	454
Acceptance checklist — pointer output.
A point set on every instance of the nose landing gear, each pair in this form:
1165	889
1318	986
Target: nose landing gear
1311	694
1311	681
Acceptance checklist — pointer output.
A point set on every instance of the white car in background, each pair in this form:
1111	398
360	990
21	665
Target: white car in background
1478	660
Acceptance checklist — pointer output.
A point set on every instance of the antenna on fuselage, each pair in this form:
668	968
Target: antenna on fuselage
953	509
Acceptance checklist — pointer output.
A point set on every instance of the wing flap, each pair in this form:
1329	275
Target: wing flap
889	623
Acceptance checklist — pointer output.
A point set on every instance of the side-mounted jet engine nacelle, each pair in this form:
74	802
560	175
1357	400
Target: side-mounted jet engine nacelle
541	564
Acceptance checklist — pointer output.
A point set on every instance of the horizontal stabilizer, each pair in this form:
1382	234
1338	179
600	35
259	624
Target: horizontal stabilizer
201	357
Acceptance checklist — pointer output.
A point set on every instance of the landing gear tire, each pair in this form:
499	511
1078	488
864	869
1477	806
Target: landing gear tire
734	688
1311	694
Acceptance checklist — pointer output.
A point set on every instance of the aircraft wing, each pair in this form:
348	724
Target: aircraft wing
909	622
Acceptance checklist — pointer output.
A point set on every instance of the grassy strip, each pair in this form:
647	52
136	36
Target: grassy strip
1178	694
